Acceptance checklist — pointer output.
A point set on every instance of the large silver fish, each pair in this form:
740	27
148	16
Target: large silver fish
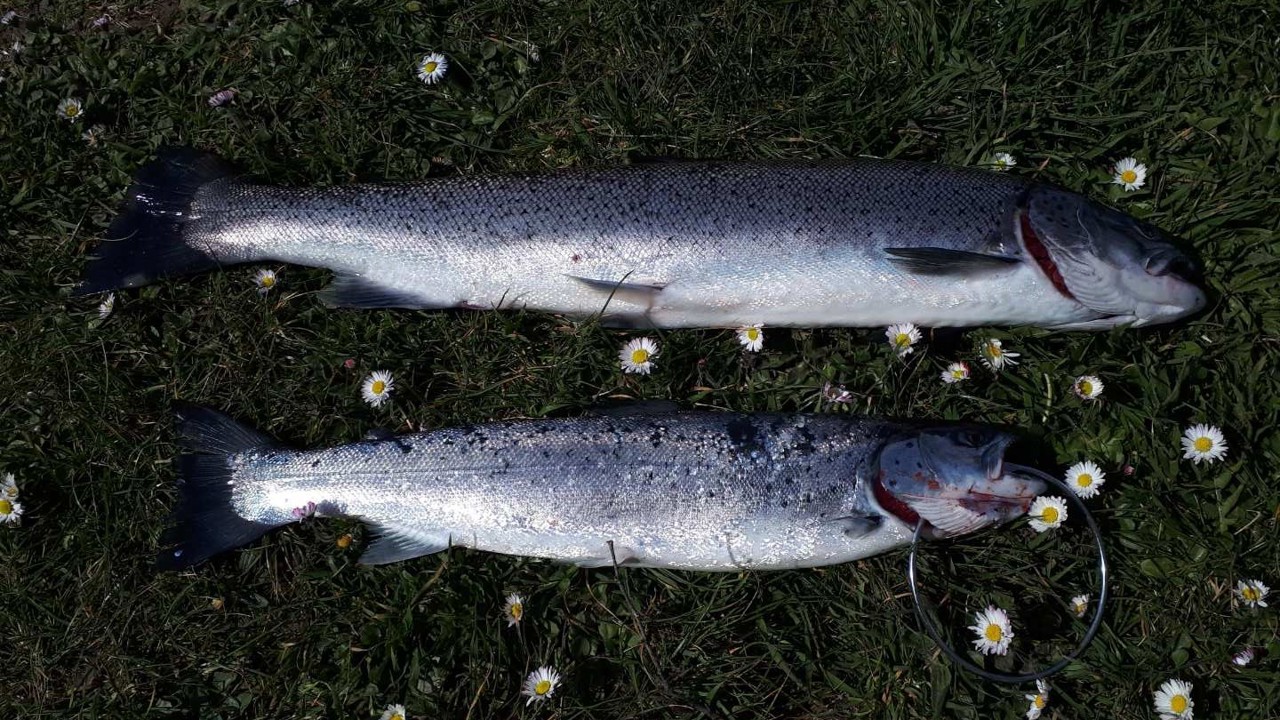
857	242
688	490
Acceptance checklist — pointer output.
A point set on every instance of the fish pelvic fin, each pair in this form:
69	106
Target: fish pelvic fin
205	522
145	241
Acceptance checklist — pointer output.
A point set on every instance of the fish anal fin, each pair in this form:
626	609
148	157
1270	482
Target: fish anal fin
611	555
395	545
623	291
354	291
944	261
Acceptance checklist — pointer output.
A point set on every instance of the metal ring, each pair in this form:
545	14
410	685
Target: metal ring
1089	634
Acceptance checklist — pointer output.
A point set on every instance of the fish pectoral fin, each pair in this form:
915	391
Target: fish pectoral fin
354	291
623	291
856	526
944	261
395	545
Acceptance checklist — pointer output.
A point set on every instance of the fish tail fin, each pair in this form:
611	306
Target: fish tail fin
145	241
205	522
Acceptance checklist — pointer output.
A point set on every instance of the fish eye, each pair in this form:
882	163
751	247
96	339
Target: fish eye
972	438
1171	263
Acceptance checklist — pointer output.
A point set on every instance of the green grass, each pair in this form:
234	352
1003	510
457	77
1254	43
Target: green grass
327	95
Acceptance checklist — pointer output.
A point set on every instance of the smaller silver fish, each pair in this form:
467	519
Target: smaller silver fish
682	490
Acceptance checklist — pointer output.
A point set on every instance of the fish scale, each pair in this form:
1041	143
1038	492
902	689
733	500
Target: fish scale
859	242
697	491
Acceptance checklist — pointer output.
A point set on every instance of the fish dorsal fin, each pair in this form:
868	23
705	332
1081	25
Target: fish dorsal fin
948	516
944	261
394	545
633	407
354	291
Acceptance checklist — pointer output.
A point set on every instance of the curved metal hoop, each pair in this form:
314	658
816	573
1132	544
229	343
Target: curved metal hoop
965	663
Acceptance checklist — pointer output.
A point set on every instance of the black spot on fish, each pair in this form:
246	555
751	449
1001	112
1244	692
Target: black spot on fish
315	463
741	431
405	448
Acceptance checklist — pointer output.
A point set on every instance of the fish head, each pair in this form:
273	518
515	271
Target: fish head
1126	271
954	478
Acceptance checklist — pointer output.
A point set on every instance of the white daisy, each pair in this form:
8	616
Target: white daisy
1039	700
836	393
1252	593
377	387
751	337
10	511
995	357
432	67
265	280
514	609
1047	513
901	338
393	712
1003	161
540	684
106	307
70	108
955	372
1087	387
637	355
1203	442
8	17
1080	605
1173	700
93	135
1130	173
1244	657
102	21
993	630
9	487
222	97
1085	478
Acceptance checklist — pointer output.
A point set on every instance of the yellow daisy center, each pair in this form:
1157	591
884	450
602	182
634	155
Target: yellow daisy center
1203	444
1078	607
268	280
1086	388
73	110
1040	701
1129	176
397	716
1049	515
516	610
902	340
543	687
993	633
1084	480
6	507
430	67
344	542
957	374
639	356
994	351
753	334
1252	594
379	387
1178	704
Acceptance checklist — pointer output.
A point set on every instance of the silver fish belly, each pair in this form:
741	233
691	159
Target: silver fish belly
696	491
717	244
